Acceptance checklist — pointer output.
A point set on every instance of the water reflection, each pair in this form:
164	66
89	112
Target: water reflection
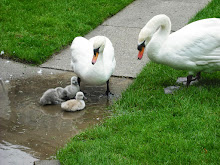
41	130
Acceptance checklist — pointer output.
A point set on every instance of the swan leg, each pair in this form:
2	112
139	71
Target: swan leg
198	76
79	80
108	93
189	79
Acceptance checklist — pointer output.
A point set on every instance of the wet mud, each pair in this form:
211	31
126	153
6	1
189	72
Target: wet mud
29	131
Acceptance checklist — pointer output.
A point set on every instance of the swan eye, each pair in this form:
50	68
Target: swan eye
139	47
96	51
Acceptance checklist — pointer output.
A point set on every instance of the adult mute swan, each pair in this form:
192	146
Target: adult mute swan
93	60
195	47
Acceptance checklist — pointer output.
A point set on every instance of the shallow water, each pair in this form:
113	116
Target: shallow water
29	132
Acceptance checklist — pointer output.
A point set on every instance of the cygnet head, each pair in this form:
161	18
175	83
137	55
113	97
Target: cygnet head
98	47
74	80
79	96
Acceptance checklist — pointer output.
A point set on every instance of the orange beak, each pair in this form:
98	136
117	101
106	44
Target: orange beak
140	54
94	59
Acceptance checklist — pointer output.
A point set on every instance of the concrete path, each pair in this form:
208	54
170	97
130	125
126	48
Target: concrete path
123	29
13	70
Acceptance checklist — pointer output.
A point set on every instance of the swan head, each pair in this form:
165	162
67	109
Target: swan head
141	48
80	96
159	22
98	47
143	39
74	80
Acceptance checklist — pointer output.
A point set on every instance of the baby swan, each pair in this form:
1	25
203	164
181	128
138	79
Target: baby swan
74	104
73	88
53	96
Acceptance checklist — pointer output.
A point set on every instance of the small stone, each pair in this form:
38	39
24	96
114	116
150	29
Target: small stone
181	80
171	89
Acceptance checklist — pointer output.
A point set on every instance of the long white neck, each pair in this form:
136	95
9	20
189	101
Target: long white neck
156	31
100	42
104	54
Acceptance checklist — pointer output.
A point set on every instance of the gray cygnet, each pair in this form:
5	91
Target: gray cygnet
53	96
73	88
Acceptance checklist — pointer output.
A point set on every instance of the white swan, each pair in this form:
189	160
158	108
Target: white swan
195	47
93	60
74	104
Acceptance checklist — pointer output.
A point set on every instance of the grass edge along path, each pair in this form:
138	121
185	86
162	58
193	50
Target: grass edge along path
32	31
212	10
149	127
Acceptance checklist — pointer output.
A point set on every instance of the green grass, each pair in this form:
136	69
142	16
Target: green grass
212	10
32	30
149	127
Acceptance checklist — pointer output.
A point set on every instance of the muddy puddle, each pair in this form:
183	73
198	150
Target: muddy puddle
30	132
